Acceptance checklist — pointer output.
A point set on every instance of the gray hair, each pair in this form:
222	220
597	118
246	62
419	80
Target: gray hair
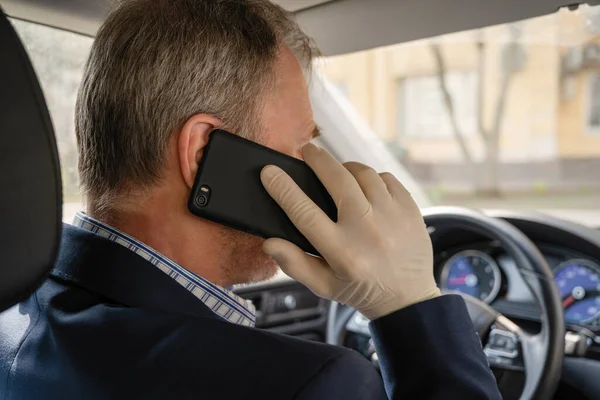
156	63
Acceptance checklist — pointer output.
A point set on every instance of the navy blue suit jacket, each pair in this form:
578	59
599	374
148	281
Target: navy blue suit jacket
109	325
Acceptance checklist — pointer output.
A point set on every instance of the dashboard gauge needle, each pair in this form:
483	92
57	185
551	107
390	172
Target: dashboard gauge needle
568	301
457	281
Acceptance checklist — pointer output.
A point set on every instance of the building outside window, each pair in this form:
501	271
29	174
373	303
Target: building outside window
421	112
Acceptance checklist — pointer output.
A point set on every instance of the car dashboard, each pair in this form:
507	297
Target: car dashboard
485	270
468	262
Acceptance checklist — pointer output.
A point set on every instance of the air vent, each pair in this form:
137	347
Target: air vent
291	306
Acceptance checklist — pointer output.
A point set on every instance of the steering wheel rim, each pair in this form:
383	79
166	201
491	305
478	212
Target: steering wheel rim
542	353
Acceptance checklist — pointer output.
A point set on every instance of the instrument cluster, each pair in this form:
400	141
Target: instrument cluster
579	286
478	272
472	272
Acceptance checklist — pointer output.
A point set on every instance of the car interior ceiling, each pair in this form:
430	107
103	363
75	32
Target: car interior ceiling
374	22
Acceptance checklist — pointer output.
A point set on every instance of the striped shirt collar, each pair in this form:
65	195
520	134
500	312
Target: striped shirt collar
221	301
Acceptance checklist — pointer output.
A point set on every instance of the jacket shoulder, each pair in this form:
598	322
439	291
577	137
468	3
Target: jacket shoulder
347	376
90	348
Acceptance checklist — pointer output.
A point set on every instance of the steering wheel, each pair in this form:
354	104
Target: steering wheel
508	347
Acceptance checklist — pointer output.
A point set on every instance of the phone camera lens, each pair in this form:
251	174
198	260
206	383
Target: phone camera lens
201	200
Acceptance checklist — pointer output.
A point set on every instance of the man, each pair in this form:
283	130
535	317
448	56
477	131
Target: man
137	307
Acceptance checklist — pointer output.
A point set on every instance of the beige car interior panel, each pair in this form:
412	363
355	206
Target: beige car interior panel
339	26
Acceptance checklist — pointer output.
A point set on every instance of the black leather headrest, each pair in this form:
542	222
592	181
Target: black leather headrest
31	193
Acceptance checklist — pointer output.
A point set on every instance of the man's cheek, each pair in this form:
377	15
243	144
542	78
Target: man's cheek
285	144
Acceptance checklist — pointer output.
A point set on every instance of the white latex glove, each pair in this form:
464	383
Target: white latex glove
378	257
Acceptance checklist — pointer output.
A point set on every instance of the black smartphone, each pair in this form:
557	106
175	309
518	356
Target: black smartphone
227	189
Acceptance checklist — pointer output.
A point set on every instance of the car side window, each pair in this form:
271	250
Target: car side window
58	58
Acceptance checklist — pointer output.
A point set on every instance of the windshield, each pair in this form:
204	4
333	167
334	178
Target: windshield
501	117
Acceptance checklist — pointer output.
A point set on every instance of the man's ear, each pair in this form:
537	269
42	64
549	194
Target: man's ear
193	138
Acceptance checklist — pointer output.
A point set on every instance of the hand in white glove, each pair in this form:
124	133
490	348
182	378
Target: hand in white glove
377	257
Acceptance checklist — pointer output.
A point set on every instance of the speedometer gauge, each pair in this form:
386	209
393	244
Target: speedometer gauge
579	286
472	272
